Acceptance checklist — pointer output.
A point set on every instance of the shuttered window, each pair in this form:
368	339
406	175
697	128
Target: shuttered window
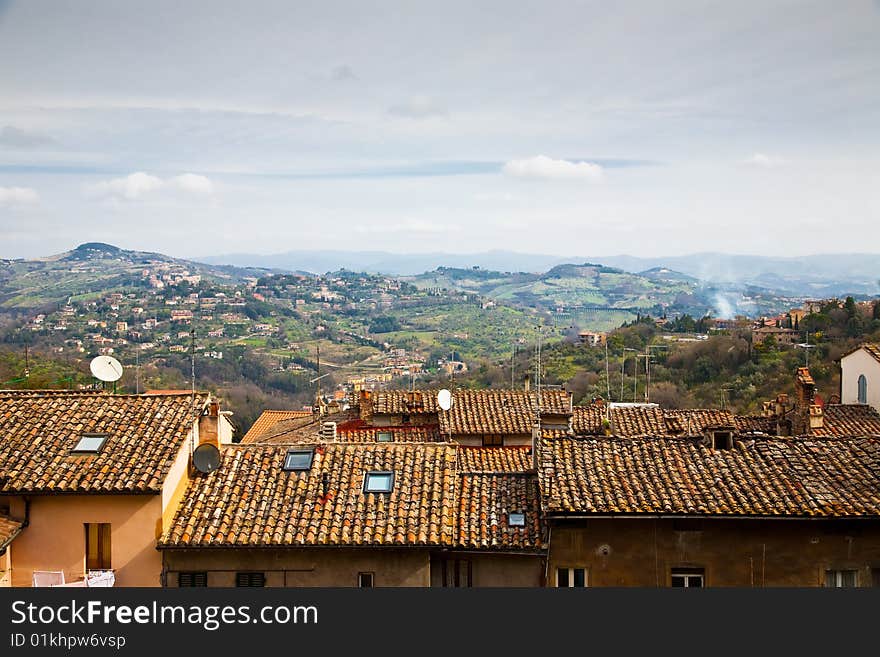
188	579
250	579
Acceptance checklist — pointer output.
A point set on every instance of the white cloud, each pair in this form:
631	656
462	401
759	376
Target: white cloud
17	196
131	187
410	226
764	161
193	183
138	185
418	107
545	168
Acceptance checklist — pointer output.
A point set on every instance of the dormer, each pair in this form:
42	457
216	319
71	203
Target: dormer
719	438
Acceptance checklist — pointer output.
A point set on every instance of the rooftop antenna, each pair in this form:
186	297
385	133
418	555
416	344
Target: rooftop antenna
536	429
106	369
513	368
607	373
137	371
445	401
192	362
27	363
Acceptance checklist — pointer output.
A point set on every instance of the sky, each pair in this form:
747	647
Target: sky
565	128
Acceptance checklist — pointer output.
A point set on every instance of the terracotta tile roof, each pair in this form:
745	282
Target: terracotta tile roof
305	429
484	504
637	421
647	420
500	411
267	420
759	423
38	431
9	529
693	421
587	420
399	402
872	348
848	420
429	433
757	477
495	459
251	501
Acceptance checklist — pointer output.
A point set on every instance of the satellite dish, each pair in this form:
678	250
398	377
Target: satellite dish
106	368
444	399
206	458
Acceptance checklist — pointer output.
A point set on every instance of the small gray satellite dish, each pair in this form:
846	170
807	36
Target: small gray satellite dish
106	368
206	458
444	399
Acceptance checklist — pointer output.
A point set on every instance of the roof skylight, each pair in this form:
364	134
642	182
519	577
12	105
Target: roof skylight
298	460
90	443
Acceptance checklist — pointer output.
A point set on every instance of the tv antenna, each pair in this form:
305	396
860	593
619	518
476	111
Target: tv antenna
106	369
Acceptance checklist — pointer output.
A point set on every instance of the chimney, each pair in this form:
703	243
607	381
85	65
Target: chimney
366	406
209	428
527	384
806	388
328	431
817	417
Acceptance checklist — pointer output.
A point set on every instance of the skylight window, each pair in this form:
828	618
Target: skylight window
378	482
516	519
90	443
298	460
384	437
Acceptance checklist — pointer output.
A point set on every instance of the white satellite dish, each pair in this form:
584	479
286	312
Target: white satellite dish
444	399
106	368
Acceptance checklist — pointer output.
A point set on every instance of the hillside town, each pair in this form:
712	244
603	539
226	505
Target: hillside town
443	488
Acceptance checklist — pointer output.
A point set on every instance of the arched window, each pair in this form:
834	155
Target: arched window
863	389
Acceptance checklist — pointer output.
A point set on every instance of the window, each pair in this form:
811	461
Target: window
365	580
90	443
841	578
98	546
571	577
378	482
188	579
250	579
384	437
722	440
688	578
298	459
453	573
516	519
875	577
493	441
863	389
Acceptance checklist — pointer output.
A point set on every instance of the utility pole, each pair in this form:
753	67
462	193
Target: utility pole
607	373
513	368
622	373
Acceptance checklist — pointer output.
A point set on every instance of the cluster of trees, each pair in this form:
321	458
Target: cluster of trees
384	324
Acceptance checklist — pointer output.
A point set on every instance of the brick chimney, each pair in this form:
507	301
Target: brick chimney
805	389
365	405
209	427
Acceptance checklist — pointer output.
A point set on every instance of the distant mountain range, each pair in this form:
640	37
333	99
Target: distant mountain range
815	275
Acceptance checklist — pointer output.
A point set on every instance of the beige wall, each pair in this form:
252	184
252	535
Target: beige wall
507	570
303	566
624	552
55	537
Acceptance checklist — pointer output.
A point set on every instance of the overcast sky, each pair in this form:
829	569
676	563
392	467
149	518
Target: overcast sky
569	128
